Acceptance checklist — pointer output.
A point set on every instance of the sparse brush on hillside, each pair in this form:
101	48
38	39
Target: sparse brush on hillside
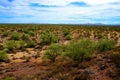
105	44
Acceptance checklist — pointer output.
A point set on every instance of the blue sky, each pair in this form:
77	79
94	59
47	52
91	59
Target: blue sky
60	11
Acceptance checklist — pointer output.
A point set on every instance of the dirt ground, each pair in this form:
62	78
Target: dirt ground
98	68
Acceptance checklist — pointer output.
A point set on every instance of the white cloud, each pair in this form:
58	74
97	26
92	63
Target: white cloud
98	9
66	2
97	2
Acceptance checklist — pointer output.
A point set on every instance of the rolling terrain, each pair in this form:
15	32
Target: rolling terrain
59	52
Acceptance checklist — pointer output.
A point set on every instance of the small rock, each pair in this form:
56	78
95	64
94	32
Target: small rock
102	66
10	69
7	61
99	59
78	72
105	57
18	78
84	75
94	56
109	61
2	70
83	66
75	65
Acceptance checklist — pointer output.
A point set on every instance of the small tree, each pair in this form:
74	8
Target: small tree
53	51
80	50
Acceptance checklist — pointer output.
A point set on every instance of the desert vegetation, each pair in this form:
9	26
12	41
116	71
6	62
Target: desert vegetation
59	52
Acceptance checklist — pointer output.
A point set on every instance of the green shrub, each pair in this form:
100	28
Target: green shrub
53	51
19	44
25	37
99	36
11	45
48	38
25	30
3	55
105	44
15	36
6	33
9	78
30	44
66	31
32	28
54	38
68	37
32	33
80	50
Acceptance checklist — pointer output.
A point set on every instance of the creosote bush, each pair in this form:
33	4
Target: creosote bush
77	51
48	38
25	30
6	33
15	36
80	50
105	44
66	31
11	44
31	33
3	55
25	37
67	34
99	36
30	44
20	44
68	37
53	51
